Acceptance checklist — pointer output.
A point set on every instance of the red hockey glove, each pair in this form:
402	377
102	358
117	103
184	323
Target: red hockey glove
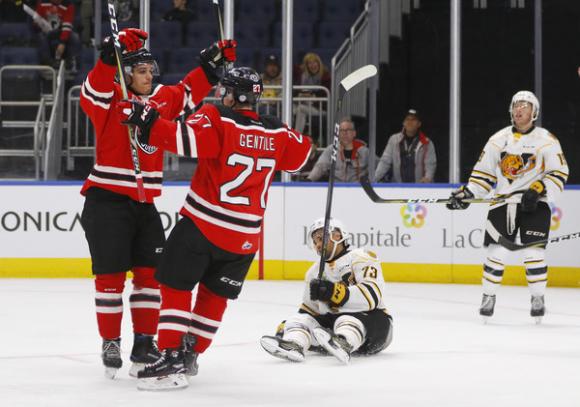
215	56
140	115
531	197
336	294
131	39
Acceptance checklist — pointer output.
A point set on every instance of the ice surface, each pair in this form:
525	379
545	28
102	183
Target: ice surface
441	355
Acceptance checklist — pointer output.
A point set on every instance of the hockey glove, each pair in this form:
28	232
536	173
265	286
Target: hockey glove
215	56
140	115
531	197
336	294
131	39
457	197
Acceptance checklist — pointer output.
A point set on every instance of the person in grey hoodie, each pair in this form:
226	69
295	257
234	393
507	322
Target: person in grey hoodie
352	161
409	155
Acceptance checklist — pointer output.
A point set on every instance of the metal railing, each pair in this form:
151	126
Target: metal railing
53	151
80	139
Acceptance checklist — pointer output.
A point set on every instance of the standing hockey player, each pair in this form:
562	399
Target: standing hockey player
343	312
214	243
521	160
124	234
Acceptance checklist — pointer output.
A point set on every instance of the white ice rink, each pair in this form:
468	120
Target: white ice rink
441	355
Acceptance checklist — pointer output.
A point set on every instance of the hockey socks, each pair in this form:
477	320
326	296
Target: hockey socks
145	301
206	317
174	317
109	304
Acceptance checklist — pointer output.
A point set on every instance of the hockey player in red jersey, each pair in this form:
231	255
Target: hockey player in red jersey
125	234
214	243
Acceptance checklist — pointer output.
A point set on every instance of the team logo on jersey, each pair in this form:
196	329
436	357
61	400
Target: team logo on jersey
556	217
514	166
413	215
247	245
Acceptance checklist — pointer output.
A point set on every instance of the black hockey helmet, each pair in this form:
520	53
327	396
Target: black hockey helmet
244	83
141	56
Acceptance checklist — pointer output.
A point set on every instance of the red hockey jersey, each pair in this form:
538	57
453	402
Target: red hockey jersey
113	169
238	152
59	16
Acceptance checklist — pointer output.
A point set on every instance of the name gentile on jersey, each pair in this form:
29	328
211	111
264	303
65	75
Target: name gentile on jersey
257	142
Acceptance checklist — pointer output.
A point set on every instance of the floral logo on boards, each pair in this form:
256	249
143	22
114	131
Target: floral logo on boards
556	217
413	215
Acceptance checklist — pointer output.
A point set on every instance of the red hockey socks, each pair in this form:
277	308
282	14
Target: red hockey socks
109	303
206	317
174	318
145	301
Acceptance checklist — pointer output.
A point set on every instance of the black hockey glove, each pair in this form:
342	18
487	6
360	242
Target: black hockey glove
336	294
531	197
215	56
457	197
140	115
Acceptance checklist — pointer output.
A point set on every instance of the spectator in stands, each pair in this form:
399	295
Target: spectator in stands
353	157
272	76
56	38
180	12
312	73
409	155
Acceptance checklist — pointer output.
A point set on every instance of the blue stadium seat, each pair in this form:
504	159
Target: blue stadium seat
166	34
172	78
87	57
332	34
182	59
306	11
263	12
18	56
200	35
106	26
303	35
256	35
247	57
343	10
15	34
204	11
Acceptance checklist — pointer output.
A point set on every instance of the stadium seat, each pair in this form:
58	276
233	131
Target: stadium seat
182	59
253	11
15	34
166	34
247	57
306	11
256	35
303	35
18	56
332	34
172	78
343	10
204	11
200	35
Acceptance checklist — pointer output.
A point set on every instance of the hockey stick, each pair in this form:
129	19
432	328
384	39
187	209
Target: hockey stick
218	15
372	194
508	244
345	85
37	18
132	141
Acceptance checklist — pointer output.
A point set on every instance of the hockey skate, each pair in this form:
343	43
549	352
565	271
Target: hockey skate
111	355
487	306
538	308
167	373
144	352
280	348
336	345
190	356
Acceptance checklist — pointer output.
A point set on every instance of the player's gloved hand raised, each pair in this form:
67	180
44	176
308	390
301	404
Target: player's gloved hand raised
139	114
531	197
215	56
457	197
131	39
336	294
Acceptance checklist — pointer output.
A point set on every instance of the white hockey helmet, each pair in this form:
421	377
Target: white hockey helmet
526	96
333	224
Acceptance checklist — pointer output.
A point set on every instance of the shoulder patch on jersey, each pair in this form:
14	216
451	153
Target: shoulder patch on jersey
371	254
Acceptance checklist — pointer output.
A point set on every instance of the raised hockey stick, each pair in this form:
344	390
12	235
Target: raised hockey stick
345	85
218	15
508	244
132	140
372	194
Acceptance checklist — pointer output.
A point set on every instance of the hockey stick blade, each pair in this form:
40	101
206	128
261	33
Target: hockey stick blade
372	194
512	246
358	76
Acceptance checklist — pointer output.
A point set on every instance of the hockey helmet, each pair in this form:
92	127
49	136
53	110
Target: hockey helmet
333	224
139	57
244	83
526	96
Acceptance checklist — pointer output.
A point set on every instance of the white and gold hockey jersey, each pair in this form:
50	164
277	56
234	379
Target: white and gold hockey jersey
512	161
361	271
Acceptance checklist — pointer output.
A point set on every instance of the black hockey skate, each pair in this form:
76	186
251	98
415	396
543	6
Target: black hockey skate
334	344
190	356
281	348
167	373
111	355
144	352
487	306
538	309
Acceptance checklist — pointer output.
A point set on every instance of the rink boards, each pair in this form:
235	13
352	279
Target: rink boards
41	235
